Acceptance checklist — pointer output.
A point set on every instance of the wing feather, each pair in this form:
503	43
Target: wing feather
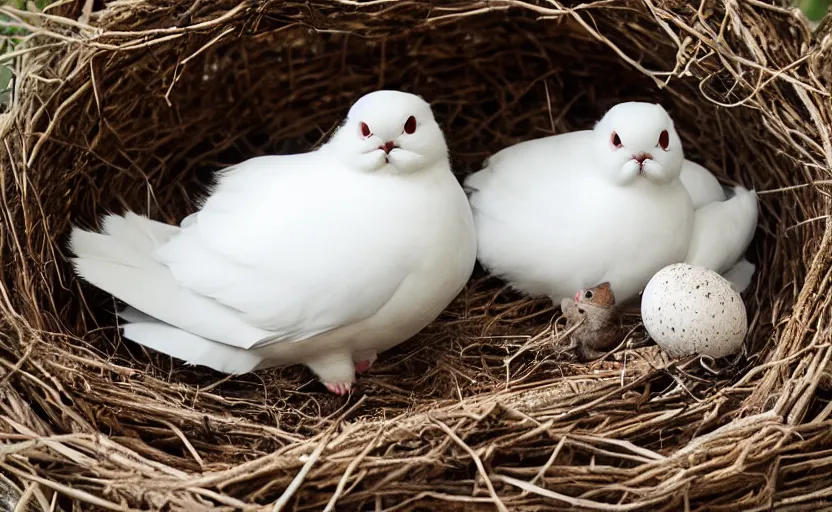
294	258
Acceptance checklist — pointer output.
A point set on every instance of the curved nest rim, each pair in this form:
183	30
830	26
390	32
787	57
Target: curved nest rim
479	411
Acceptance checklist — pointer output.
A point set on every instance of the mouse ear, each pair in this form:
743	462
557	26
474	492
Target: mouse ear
605	296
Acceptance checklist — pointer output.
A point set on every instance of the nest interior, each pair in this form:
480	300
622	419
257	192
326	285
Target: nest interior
135	104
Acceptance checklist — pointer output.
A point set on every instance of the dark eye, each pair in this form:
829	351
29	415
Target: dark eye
616	140
588	295
664	139
365	130
581	311
410	125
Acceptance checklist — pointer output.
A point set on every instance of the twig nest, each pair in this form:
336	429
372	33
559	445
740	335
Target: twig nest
692	310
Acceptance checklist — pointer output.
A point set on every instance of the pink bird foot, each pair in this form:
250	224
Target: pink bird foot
339	388
363	366
365	360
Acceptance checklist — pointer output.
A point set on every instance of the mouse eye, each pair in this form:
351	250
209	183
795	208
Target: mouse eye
664	139
581	311
588	295
410	125
616	140
365	130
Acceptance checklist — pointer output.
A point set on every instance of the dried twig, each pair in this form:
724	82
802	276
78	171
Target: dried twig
135	105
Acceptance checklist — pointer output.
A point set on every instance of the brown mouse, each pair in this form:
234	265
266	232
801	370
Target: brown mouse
601	329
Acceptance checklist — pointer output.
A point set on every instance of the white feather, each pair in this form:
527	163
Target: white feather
552	216
121	263
130	314
723	230
191	348
308	258
723	227
296	249
147	331
701	184
740	275
571	211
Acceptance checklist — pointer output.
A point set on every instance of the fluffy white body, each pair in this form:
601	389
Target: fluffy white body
324	258
566	212
723	226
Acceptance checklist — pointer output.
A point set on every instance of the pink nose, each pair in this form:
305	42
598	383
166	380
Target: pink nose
641	157
388	146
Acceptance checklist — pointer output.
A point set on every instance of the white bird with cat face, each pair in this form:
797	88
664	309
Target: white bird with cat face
324	258
567	212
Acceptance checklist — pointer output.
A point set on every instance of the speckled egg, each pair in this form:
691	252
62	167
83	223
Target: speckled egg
692	310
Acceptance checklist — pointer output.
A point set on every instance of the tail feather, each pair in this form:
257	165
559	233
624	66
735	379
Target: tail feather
131	314
89	246
120	262
740	275
191	348
129	239
723	230
138	231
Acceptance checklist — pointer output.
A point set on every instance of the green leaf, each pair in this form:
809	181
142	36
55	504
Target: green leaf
5	84
815	10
